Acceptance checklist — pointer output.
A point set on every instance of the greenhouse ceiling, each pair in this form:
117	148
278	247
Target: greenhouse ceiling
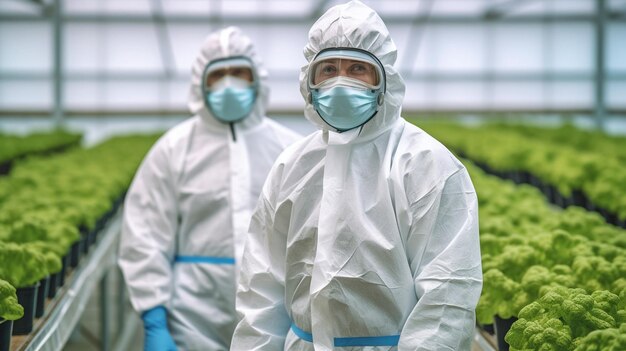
292	11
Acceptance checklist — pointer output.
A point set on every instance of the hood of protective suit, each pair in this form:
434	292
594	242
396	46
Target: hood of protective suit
227	43
354	25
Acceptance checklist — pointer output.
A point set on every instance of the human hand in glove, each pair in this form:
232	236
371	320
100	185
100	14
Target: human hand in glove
157	336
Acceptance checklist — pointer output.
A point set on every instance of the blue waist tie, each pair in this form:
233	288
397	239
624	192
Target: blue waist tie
204	259
388	340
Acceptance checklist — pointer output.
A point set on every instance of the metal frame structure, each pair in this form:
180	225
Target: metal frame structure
494	13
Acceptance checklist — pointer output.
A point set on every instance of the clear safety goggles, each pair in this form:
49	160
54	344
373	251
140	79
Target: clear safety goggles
239	67
352	63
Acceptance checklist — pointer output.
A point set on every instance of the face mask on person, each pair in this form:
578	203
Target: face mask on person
345	103
230	88
231	99
346	87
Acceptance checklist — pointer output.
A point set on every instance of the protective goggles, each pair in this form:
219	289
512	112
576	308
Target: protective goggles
359	66
239	67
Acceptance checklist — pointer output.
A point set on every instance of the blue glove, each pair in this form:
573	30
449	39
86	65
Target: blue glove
157	336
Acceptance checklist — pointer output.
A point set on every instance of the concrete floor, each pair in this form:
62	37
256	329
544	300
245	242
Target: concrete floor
88	333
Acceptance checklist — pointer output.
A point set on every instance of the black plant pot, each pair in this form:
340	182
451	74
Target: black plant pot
42	294
488	328
502	327
6	328
53	284
27	297
92	237
84	238
66	264
75	252
5	167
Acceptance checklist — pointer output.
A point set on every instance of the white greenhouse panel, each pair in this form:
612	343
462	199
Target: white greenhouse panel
178	95
106	7
516	95
18	7
466	53
426	52
280	46
285	95
445	95
133	95
132	47
83	95
459	7
84	48
517	48
570	95
553	7
398	7
417	95
571	47
187	7
404	36
25	46
616	47
112	47
616	95
27	95
457	95
186	40
254	8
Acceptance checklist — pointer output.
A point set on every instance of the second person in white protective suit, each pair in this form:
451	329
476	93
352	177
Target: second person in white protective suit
188	209
366	233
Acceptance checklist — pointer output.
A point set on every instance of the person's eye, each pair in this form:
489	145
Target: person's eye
329	69
359	68
216	75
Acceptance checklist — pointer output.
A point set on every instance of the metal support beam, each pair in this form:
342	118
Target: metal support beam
165	45
600	71
40	5
415	36
215	14
57	82
284	76
319	9
273	19
501	9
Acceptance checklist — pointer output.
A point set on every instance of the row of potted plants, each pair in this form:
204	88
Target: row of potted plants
570	136
15	147
529	247
559	168
51	210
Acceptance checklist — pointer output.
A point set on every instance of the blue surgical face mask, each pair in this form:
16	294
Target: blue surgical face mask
231	102
345	106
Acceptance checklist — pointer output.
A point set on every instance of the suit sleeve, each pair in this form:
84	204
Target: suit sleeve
444	253
150	224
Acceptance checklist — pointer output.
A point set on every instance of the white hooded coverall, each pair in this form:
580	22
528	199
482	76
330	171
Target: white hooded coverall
188	209
362	240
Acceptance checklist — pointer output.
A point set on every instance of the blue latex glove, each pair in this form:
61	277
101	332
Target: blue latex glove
157	336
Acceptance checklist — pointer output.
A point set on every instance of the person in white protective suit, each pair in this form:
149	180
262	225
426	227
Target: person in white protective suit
188	209
366	233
